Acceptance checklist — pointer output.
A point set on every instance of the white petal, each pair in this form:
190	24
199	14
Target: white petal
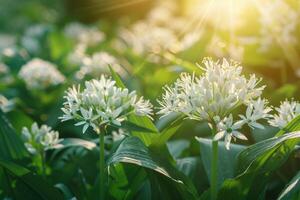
239	135
85	127
219	135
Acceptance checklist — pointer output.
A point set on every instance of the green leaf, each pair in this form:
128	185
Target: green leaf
134	127
117	78
227	159
25	184
292	190
132	150
11	145
256	164
257	157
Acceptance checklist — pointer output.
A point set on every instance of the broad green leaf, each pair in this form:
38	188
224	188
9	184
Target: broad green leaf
11	145
167	132
227	159
257	157
256	164
292	190
176	147
132	150
25	184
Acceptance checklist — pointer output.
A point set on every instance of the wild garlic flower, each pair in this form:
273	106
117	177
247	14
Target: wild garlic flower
84	34
98	64
228	129
214	95
5	104
256	110
39	74
38	139
102	103
286	112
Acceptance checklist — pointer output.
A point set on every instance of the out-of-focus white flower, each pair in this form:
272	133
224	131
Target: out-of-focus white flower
256	110
32	37
77	56
220	48
155	35
286	112
228	129
5	104
7	40
97	64
38	139
214	95
84	34
102	103
3	69
281	27
40	74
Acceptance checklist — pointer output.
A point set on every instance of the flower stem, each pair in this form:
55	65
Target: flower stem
214	167
102	166
43	162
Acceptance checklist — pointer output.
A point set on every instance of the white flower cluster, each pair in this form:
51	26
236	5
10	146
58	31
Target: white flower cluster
97	64
102	103
84	34
281	26
40	74
39	139
286	112
214	95
5	104
32	37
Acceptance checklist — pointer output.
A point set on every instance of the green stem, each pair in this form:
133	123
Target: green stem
102	166
214	167
43	161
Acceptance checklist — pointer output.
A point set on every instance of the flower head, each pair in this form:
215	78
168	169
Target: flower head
286	112
39	74
41	138
212	97
101	102
220	89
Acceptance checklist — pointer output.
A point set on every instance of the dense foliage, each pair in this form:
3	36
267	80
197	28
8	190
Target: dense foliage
170	99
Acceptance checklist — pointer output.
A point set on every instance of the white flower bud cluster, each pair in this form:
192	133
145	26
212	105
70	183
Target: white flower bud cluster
39	74
286	112
214	95
38	139
102	103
